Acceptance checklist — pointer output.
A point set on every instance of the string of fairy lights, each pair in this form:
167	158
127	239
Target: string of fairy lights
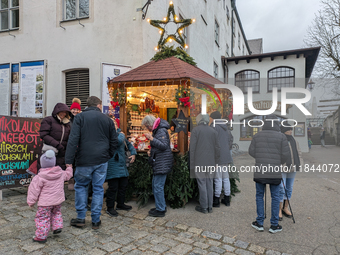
181	24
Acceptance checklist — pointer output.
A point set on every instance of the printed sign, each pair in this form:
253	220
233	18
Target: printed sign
4	89
32	89
110	72
20	144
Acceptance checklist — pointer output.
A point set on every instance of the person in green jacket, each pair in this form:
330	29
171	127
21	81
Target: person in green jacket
117	175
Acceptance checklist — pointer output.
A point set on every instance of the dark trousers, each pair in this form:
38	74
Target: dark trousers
116	184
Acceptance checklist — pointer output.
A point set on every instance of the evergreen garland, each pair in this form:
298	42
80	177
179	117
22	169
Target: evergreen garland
169	51
181	92
118	95
179	187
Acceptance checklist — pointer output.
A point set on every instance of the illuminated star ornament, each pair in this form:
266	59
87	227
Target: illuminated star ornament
171	29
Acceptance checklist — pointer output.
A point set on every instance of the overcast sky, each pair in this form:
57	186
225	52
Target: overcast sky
281	23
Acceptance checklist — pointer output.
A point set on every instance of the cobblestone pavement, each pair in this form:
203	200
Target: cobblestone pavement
130	233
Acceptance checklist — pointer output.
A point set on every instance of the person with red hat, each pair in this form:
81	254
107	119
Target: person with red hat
75	107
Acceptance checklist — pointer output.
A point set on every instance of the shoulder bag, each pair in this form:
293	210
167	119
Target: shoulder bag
47	147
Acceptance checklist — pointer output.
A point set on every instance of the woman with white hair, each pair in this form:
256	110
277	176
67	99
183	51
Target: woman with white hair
161	159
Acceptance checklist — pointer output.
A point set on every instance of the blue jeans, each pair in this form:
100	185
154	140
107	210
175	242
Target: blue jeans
83	176
158	182
288	179
275	194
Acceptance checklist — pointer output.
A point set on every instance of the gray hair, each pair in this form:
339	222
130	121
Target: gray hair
202	119
148	120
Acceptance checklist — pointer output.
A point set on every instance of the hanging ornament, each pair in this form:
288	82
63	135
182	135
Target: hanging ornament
177	36
183	96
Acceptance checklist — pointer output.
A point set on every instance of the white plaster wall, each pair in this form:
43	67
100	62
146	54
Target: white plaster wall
263	67
114	33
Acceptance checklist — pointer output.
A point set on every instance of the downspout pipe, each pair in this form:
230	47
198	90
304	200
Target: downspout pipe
233	7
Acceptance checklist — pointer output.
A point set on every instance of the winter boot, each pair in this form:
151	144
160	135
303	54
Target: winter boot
280	212
226	200
286	212
216	202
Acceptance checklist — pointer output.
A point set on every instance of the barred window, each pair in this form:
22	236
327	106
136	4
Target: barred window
281	77
248	78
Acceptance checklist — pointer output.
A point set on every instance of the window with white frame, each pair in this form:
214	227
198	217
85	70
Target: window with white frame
239	41
228	14
224	4
279	77
9	15
248	78
233	41
234	26
227	50
76	9
215	70
217	31
243	50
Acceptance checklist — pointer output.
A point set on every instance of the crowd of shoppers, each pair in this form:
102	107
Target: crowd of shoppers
70	137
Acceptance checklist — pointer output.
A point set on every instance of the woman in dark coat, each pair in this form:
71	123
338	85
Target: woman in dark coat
117	175
293	163
55	130
161	159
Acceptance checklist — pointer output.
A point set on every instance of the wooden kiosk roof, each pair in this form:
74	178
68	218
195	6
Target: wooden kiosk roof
167	69
164	72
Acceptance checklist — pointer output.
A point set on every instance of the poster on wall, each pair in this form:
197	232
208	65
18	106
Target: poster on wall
5	89
20	144
110	71
31	89
15	90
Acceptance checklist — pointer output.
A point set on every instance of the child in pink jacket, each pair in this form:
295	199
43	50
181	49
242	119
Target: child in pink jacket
47	188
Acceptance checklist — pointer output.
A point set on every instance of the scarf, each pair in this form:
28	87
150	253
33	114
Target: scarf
295	155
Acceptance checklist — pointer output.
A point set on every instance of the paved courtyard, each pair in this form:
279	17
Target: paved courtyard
183	231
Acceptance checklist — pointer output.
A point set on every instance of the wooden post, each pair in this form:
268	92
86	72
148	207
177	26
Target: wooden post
123	119
182	142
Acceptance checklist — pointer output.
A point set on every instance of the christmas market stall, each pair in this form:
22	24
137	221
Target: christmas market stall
170	89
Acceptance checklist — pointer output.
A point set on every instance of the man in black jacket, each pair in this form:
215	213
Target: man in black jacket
270	149
92	142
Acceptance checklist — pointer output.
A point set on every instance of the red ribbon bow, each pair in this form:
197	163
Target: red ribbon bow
114	104
185	100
